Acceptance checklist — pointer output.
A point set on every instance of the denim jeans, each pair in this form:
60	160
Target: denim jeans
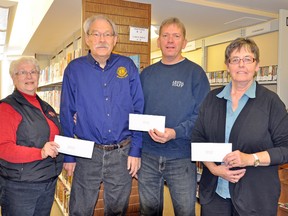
109	167
180	176
28	198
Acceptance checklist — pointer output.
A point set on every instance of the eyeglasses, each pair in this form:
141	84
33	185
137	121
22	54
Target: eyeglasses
246	60
98	35
25	73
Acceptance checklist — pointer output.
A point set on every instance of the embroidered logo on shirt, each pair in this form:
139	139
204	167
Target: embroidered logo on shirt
179	84
122	72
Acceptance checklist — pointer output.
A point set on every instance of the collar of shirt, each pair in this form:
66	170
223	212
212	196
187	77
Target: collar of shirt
225	93
92	61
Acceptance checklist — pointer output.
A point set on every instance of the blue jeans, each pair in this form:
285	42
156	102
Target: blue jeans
180	176
27	198
109	167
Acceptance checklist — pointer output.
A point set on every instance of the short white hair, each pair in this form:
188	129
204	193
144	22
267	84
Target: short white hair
90	20
23	60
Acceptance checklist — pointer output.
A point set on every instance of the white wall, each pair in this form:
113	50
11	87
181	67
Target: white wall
282	82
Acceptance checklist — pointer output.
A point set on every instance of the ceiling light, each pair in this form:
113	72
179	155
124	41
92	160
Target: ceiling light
2	37
1	48
3	27
28	17
3	18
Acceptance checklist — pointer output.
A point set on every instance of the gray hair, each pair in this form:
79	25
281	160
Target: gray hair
23	60
239	43
88	22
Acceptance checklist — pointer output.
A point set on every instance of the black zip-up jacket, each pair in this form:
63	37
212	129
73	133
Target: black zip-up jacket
262	125
33	131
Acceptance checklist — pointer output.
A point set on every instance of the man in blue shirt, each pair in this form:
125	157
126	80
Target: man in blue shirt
99	91
175	88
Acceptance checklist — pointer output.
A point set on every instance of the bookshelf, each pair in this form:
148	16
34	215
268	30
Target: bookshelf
62	193
51	75
268	72
266	75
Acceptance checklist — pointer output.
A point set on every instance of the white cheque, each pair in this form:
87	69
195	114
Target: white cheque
75	147
214	152
143	122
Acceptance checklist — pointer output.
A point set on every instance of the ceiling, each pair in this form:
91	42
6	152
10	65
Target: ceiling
202	18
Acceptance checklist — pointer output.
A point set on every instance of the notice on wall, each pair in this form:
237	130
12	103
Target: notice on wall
138	34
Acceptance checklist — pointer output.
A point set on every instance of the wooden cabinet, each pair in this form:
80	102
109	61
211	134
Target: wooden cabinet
283	200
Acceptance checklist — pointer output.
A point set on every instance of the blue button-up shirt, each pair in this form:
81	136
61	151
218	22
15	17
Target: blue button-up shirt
102	99
231	116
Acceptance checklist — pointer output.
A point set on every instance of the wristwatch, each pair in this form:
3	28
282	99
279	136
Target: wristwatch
256	161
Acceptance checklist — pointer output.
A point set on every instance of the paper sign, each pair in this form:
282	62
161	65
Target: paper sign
214	152
138	34
75	147
142	122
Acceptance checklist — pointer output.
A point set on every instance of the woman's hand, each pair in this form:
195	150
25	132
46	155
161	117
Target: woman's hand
230	175
225	172
238	159
50	149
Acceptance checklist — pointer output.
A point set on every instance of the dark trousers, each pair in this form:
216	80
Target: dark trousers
27	198
218	207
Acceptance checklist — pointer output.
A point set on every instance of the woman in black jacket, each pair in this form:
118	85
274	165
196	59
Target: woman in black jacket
255	121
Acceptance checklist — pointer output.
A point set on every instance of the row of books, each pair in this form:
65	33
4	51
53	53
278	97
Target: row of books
54	72
62	196
52	97
267	73
67	180
264	74
283	205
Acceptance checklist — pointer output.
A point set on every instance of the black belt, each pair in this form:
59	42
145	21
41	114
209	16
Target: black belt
111	147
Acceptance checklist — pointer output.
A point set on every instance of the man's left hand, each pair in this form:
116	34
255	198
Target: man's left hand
133	165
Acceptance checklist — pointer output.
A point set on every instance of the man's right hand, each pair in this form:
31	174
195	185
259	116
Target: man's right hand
69	167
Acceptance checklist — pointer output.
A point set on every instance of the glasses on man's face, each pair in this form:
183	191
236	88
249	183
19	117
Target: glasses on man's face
25	73
245	60
97	35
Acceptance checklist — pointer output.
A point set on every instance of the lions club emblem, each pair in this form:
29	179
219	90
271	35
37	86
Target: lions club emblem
122	72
